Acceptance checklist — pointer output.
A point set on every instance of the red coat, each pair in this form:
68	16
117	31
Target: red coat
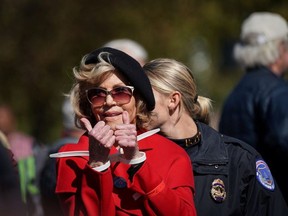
164	185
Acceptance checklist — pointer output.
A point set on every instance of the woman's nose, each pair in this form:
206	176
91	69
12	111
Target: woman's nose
109	100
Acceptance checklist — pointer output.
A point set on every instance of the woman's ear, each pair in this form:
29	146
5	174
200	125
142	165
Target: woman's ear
174	100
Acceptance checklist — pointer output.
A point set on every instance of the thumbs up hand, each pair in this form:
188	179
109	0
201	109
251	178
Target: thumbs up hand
101	139
126	136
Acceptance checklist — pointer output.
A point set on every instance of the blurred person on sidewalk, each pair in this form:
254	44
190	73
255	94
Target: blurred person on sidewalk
10	194
28	153
70	134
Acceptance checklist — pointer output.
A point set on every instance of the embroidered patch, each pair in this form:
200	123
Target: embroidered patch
264	175
218	191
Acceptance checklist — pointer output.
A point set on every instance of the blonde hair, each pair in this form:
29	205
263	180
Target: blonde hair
91	75
168	75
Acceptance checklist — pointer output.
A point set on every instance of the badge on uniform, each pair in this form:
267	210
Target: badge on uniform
218	191
264	175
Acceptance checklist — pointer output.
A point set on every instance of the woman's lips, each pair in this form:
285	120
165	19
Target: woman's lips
111	114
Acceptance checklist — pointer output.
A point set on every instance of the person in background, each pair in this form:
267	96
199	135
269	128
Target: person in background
114	171
70	134
29	155
130	47
256	109
10	194
231	178
6	145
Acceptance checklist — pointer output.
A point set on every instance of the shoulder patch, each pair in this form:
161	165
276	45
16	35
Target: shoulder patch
264	175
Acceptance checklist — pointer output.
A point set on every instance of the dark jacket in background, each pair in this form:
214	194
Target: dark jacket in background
10	195
50	202
256	112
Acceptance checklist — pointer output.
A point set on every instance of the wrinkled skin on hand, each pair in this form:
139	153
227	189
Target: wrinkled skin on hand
126	137
102	138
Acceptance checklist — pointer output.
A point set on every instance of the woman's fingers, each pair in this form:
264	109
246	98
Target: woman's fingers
86	123
125	117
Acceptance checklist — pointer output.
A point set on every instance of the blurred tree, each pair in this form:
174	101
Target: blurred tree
41	41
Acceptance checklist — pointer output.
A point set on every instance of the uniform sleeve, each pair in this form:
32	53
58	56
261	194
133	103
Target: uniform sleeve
263	194
174	197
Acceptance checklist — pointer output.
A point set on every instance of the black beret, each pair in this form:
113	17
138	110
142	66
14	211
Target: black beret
130	68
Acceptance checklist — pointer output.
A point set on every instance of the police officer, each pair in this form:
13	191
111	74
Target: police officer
231	178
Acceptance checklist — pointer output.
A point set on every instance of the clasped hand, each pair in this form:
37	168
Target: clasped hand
102	138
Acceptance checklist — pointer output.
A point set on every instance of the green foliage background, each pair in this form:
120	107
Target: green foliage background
41	41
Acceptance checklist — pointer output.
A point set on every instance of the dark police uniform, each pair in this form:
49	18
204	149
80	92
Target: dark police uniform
231	177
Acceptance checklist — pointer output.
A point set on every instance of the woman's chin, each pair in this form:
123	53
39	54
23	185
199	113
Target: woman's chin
113	124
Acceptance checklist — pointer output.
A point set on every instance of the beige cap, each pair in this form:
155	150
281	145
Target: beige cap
261	27
131	47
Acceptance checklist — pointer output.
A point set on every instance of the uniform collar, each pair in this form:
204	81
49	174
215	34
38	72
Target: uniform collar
212	147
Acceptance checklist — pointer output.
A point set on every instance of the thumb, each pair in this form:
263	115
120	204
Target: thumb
125	117
86	123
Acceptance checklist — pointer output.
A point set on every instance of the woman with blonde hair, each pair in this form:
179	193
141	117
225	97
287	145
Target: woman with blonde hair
231	177
116	168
